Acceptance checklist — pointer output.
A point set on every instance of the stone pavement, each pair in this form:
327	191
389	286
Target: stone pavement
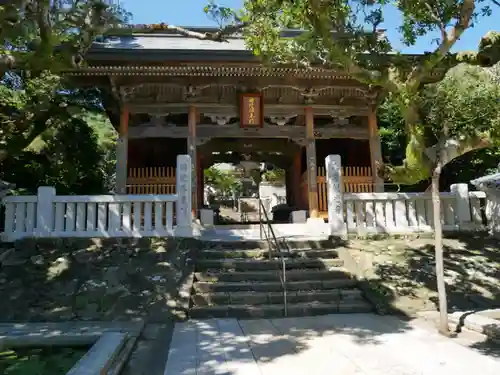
354	344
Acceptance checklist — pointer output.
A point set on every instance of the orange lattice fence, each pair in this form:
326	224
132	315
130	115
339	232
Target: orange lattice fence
356	180
151	180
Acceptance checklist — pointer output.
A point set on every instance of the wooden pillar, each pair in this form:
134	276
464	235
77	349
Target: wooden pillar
297	179
375	150
312	166
192	119
122	152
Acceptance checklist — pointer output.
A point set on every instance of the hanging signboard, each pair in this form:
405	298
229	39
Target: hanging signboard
251	110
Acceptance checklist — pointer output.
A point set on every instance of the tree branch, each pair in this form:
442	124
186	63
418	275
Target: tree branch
217	36
323	26
43	20
422	70
439	22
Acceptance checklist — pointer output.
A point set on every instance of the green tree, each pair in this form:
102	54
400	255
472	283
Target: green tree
466	167
73	156
38	40
225	182
275	176
345	35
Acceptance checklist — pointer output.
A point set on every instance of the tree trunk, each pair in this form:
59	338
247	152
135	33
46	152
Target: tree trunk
438	246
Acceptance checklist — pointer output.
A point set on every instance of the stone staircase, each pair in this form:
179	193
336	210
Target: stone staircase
238	280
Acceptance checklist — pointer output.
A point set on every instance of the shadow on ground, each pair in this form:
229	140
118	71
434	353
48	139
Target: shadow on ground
341	341
60	280
472	271
240	343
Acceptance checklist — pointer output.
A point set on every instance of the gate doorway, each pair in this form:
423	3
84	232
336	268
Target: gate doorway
237	172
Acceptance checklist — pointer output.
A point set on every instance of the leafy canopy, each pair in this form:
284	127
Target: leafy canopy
39	35
345	35
39	39
467	101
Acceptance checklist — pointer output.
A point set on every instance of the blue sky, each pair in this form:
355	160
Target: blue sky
190	13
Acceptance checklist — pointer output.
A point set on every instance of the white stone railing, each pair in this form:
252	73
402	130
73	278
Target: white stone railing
50	215
400	213
397	213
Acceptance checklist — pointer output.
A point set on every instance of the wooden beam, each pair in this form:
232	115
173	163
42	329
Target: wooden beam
270	110
375	150
122	151
234	131
312	166
296	178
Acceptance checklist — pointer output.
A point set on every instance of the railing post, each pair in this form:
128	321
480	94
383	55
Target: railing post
462	204
184	227
336	220
45	211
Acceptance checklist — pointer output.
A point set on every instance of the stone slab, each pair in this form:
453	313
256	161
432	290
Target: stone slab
477	321
99	358
353	344
62	334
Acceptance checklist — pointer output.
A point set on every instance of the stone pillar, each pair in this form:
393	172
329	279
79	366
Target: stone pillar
336	222
184	227
375	150
44	211
462	207
312	166
122	153
191	145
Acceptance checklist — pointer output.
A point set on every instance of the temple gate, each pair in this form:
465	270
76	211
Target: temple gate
169	95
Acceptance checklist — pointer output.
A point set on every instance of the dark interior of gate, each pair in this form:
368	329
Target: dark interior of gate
158	156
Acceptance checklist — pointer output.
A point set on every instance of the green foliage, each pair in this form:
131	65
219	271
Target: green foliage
275	176
39	35
345	35
39	361
39	39
52	133
73	158
225	182
467	101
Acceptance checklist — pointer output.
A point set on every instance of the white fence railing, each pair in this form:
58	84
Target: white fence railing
49	215
90	216
411	212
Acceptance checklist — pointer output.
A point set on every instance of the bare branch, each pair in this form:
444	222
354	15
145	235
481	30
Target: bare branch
422	70
217	36
497	3
440	23
43	20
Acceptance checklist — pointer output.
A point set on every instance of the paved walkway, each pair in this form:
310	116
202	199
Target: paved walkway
356	344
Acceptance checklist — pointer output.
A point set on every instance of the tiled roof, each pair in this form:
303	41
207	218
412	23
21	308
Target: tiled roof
167	42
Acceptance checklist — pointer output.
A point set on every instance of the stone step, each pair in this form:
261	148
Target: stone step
272	275
263	245
262	265
264	254
278	310
272	286
264	298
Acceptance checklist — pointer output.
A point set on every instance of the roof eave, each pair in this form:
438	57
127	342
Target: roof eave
162	55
